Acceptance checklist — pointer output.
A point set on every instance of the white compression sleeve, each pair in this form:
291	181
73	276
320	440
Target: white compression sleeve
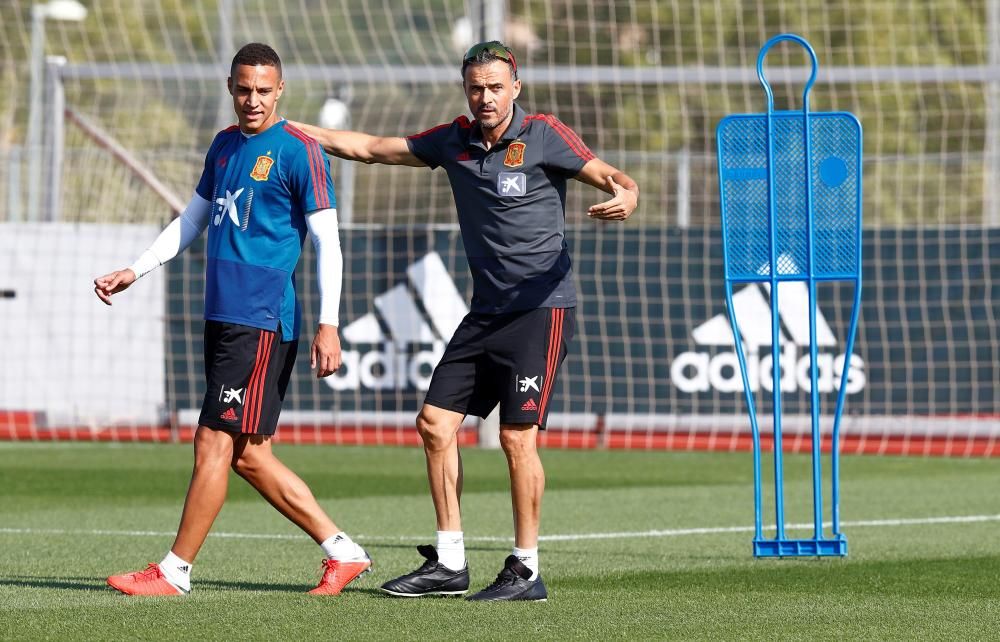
322	226
176	237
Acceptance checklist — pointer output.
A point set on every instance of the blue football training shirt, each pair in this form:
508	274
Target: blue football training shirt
262	187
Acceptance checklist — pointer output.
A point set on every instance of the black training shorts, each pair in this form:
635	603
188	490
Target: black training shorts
247	371
508	358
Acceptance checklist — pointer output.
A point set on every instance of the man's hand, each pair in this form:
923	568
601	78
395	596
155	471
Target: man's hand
105	286
617	208
325	352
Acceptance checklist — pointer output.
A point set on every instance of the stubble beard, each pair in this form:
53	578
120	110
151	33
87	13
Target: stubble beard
499	121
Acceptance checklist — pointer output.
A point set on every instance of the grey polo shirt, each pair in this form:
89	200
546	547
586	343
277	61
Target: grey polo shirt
511	202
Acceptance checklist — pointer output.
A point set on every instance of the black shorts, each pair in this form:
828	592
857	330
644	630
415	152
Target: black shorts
510	358
247	371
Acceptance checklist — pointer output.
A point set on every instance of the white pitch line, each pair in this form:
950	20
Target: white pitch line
961	519
675	532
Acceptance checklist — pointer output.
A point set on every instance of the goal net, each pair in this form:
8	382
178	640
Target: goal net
106	121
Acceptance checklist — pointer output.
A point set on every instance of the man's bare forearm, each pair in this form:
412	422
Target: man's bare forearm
365	148
341	143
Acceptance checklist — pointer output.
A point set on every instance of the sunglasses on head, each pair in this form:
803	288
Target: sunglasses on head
494	47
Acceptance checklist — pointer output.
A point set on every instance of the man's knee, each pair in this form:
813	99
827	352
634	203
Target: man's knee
243	465
249	457
437	427
212	448
518	440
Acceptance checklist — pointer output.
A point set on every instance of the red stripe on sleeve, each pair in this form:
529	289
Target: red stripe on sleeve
323	200
575	143
316	172
461	121
572	139
429	131
299	134
314	175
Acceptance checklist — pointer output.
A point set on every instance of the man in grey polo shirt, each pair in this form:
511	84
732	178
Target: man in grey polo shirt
508	171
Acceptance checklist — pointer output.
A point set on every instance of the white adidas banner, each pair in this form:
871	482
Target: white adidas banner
422	313
705	370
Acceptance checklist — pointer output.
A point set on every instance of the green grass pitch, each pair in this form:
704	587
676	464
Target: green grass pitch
71	514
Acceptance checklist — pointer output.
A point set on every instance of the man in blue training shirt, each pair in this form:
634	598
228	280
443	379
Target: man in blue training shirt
508	172
265	183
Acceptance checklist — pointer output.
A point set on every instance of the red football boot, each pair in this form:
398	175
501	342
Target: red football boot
337	574
148	582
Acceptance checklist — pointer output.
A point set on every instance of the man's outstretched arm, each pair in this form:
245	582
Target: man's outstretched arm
357	146
173	240
624	190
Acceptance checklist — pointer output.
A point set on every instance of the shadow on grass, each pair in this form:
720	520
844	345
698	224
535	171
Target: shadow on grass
970	577
100	584
376	545
71	583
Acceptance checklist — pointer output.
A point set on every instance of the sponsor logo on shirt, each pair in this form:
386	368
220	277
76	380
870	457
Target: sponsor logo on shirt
512	184
262	168
515	154
227	206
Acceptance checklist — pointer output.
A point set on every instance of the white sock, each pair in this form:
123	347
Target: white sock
177	571
528	557
451	549
341	547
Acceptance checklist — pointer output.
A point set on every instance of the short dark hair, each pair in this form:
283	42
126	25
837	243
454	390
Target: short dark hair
256	53
486	52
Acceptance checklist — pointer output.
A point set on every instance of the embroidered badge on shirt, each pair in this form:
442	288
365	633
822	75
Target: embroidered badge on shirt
262	168
515	154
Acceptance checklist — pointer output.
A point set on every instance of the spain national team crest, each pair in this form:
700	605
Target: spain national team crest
515	154
262	168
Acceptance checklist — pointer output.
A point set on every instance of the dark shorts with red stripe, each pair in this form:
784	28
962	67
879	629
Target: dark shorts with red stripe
247	371
509	358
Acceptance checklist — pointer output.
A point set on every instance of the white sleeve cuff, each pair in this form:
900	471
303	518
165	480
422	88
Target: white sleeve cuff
176	237
323	227
146	263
